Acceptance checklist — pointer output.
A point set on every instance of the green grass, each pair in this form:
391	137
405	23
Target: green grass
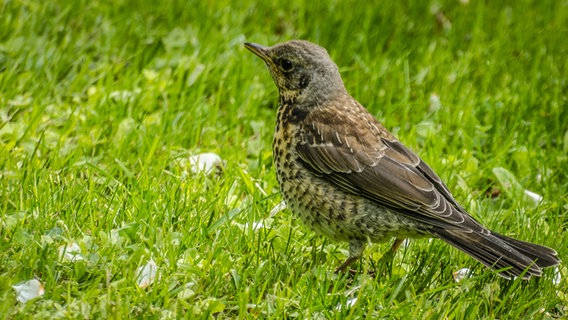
102	101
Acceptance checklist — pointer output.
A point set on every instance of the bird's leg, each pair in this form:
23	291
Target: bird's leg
345	264
386	261
356	247
389	256
396	245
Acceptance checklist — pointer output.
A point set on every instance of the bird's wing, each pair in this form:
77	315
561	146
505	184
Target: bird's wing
358	155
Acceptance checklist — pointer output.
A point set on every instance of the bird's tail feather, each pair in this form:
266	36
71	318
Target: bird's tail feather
543	256
508	256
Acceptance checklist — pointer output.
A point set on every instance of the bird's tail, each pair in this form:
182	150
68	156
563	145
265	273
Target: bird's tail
508	256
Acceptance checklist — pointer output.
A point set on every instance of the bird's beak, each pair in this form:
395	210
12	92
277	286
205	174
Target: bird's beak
260	51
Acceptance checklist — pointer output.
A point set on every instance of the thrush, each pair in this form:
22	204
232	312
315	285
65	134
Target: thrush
348	178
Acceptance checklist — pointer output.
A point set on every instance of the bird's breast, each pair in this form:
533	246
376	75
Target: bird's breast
317	203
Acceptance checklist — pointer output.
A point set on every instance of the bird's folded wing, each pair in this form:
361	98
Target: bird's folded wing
382	170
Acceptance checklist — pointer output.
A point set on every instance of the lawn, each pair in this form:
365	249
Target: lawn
105	104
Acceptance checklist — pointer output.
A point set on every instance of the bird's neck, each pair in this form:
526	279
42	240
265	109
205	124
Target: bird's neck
289	97
290	111
310	98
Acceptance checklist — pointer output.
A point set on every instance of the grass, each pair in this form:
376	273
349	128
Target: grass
102	103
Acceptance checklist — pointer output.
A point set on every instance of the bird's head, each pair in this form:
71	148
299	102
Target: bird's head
302	71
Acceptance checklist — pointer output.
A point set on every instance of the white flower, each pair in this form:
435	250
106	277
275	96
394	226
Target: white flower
146	274
533	196
28	290
204	162
71	252
435	103
255	226
557	276
348	304
462	274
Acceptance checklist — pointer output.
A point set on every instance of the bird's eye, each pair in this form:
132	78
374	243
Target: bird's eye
286	65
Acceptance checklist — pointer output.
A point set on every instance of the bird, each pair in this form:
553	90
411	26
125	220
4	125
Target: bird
348	178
